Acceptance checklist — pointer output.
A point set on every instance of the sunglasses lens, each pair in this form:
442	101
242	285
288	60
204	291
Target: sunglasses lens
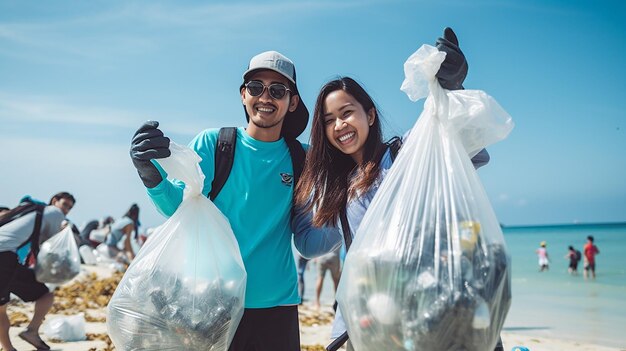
277	91
255	88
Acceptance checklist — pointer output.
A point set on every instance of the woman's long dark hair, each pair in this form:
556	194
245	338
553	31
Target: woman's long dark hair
325	180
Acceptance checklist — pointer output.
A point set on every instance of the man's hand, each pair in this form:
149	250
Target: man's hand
149	143
453	70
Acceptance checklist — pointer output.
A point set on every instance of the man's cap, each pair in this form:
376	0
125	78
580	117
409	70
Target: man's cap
295	122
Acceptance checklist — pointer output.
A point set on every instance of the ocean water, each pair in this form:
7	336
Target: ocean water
554	303
557	304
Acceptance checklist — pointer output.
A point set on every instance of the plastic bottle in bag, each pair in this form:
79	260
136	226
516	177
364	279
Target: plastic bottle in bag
428	268
185	288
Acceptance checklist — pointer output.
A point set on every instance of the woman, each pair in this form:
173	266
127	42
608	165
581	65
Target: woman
124	226
348	159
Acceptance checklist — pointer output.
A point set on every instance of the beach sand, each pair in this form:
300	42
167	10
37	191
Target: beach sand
314	325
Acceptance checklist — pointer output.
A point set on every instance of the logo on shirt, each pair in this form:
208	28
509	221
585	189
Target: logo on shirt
286	179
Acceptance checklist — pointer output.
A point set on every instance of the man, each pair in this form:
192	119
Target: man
257	199
20	280
589	252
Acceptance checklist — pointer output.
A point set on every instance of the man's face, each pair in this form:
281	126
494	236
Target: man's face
264	110
64	205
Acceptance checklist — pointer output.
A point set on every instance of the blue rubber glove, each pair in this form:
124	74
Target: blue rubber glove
149	143
453	70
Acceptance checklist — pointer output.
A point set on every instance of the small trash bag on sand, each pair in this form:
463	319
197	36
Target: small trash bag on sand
58	260
86	252
66	328
185	289
428	268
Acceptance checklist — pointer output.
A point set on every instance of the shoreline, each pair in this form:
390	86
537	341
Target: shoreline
315	326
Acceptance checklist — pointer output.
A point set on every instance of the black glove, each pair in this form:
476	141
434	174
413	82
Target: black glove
149	143
453	70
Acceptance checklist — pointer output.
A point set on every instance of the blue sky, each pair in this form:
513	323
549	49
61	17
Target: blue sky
77	78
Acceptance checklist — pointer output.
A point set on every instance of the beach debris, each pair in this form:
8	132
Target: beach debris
310	318
89	292
18	318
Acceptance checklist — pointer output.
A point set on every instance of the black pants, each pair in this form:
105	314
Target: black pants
268	329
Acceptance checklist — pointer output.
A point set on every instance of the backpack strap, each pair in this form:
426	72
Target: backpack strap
394	144
224	157
345	228
297	158
33	239
297	153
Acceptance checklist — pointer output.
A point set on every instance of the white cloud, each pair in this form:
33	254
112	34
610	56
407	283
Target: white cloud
142	28
50	109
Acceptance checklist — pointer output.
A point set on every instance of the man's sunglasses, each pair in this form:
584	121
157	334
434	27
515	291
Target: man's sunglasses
277	90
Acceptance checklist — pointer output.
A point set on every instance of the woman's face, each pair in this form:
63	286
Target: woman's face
347	124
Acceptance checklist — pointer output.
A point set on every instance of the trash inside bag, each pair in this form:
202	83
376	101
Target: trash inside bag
428	268
58	260
66	328
185	289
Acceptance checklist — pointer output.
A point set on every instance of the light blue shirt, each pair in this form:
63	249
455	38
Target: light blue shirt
257	200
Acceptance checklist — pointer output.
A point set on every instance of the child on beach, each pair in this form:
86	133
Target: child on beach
348	158
542	255
590	251
573	256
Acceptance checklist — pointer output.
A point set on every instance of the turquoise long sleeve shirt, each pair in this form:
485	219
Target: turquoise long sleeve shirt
257	200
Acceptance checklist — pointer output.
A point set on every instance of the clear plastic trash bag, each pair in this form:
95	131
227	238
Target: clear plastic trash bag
87	253
58	260
428	268
185	289
66	328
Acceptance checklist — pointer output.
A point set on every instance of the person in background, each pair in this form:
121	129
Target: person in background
573	256
4	209
590	251
302	264
329	262
126	225
542	255
18	279
85	233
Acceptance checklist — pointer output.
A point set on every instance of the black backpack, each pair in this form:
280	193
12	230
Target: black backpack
20	211
225	155
578	255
